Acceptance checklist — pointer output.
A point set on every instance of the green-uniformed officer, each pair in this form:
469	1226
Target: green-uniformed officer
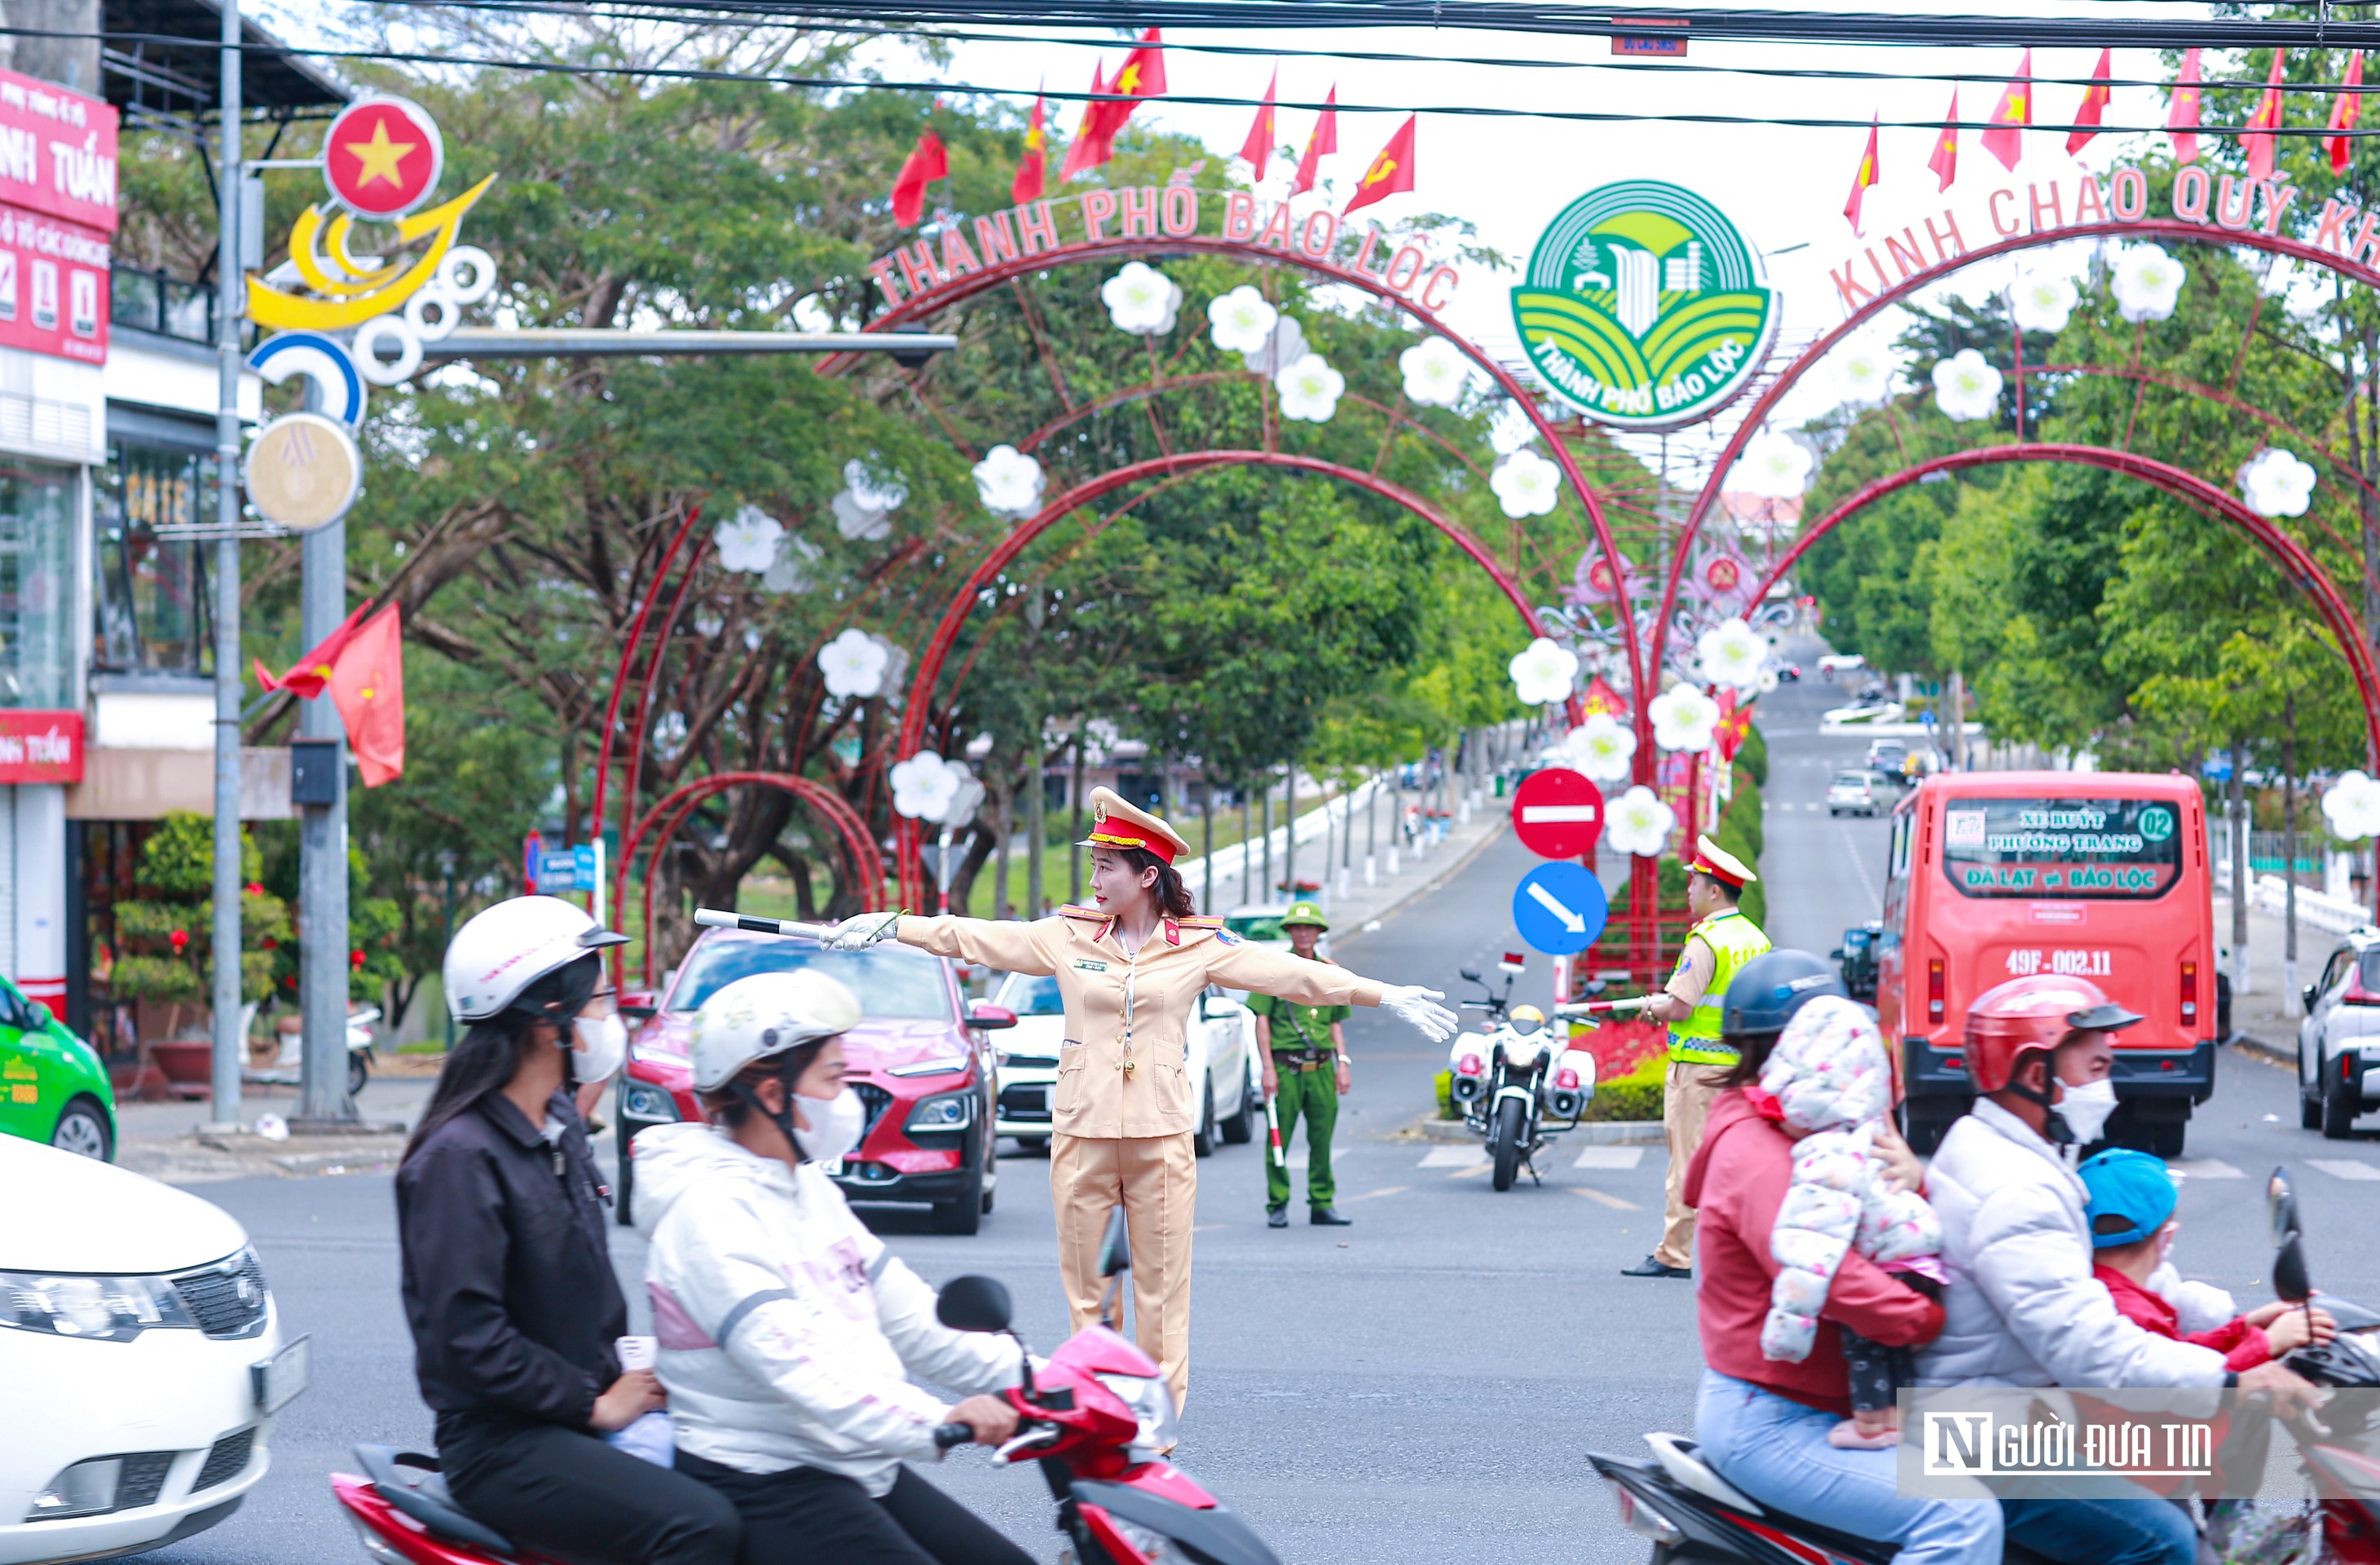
1304	1053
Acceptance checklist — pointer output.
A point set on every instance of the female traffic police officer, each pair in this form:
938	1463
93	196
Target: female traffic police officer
1304	1053
1130	969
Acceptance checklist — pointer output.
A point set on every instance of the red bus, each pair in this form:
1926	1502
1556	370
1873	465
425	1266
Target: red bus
2000	875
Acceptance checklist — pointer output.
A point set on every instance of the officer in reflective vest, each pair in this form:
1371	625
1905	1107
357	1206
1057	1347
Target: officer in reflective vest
1721	941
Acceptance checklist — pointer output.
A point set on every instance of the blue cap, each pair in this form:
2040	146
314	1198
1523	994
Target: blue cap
2130	1185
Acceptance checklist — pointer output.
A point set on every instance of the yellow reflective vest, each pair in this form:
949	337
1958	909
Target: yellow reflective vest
1735	940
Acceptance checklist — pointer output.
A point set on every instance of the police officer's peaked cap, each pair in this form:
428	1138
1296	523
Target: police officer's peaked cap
1116	824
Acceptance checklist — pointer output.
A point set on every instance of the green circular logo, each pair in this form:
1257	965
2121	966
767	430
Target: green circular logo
1643	307
2156	823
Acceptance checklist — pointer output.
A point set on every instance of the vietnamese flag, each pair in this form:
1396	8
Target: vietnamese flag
1324	140
1143	76
1862	179
1088	150
1945	161
2181	116
362	665
1391	169
2095	104
1257	148
2256	140
927	162
2004	133
1031	169
2345	109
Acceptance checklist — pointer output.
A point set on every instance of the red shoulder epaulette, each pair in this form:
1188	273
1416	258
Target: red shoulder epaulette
1200	922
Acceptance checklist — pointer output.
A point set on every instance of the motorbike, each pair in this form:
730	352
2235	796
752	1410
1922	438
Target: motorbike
289	1068
1513	1080
1690	1511
1097	1418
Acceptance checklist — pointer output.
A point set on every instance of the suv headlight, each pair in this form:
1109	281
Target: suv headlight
105	1309
951	1110
643	1100
1152	1402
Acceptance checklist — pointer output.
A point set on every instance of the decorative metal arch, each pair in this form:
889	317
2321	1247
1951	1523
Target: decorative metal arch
2296	563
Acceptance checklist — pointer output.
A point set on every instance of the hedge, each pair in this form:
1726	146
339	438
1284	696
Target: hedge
1752	754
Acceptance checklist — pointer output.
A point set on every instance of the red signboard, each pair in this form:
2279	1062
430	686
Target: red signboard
38	747
52	287
58	152
1559	813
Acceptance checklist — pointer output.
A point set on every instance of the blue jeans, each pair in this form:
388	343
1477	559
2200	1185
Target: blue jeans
2104	1532
1775	1449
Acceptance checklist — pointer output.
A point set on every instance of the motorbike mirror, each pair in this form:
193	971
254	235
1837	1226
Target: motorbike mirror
2281	1204
2289	1280
1115	1250
1470	974
974	1304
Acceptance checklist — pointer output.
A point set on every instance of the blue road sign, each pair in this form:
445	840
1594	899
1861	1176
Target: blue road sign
1559	908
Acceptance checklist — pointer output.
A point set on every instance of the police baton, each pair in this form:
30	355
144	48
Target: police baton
1272	1129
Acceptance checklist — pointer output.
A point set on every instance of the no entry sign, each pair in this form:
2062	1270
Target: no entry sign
1559	813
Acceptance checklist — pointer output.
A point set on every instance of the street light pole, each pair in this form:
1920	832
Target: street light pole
230	1038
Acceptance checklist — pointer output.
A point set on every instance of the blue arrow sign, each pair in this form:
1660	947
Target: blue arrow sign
1559	908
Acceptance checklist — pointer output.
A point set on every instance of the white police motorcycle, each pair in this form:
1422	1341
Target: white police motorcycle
1516	1082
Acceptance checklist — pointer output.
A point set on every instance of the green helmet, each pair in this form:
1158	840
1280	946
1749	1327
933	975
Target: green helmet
1303	912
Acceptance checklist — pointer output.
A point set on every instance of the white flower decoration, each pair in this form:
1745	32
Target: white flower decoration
1542	671
2148	283
1768	680
790	571
1774	465
1602	747
1732	654
1511	428
1241	321
1436	372
1526	484
1009	482
1141	300
1683	718
856	521
854	664
1285	345
1966	386
1865	375
2275	483
1310	390
2352	807
747	540
1638	822
2042	301
873	493
925	786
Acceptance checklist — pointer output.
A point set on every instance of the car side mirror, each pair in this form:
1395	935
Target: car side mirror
41	1017
637	1005
991	1018
1115	1250
974	1304
1837	953
1470	974
2312	995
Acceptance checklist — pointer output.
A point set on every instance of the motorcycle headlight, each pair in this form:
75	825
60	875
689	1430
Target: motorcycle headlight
952	1111
1152	1402
104	1310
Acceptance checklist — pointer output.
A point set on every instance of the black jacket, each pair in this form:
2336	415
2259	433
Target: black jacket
508	1282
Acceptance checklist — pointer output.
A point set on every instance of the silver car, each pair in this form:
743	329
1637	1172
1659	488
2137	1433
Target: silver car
2338	1042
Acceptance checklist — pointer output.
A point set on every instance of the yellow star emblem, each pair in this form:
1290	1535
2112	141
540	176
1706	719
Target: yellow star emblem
1129	81
379	157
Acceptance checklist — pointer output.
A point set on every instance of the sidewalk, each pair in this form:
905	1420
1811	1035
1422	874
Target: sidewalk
2267	1016
1358	888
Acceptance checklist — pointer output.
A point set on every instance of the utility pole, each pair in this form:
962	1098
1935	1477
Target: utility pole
322	852
230	1038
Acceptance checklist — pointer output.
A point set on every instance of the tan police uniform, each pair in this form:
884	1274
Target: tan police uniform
1125	1106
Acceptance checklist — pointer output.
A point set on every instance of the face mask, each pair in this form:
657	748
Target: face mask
835	1126
2085	1109
599	1047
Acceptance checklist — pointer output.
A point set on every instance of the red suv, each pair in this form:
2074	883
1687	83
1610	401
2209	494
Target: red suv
920	1062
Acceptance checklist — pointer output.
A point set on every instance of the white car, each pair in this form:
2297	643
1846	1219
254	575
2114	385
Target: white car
1853	793
143	1359
1222	1062
2338	1042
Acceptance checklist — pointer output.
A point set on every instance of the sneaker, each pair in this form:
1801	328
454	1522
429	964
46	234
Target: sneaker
1328	1217
1276	1217
1653	1266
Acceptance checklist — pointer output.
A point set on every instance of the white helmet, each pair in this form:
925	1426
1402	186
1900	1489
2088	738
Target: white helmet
502	950
763	1014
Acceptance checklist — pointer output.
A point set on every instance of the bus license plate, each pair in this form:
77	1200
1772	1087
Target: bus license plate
2024	964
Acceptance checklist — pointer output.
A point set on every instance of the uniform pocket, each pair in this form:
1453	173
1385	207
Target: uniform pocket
1068	1092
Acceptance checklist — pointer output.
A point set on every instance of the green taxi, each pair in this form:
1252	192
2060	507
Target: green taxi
52	1088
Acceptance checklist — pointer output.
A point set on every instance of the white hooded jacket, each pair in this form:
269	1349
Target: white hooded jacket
787	1329
2022	1307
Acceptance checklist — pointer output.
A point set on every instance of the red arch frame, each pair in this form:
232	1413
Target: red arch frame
927	670
2291	557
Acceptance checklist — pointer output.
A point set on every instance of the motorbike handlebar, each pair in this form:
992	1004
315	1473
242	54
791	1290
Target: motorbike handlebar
948	1434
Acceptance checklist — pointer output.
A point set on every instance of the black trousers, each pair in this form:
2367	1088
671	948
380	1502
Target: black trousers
804	1515
566	1493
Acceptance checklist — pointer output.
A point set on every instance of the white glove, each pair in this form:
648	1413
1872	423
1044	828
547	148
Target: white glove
861	930
1420	1008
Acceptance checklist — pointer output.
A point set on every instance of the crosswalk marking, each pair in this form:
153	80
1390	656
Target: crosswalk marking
1609	1158
1453	1156
2204	1168
1602	1198
2344	1167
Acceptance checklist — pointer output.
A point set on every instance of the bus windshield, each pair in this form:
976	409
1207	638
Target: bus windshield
2061	848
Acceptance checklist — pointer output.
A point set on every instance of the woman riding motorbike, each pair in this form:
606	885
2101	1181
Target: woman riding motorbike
1765	1421
786	1330
508	1282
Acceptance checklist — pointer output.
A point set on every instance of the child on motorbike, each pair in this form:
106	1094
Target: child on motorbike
1828	1083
